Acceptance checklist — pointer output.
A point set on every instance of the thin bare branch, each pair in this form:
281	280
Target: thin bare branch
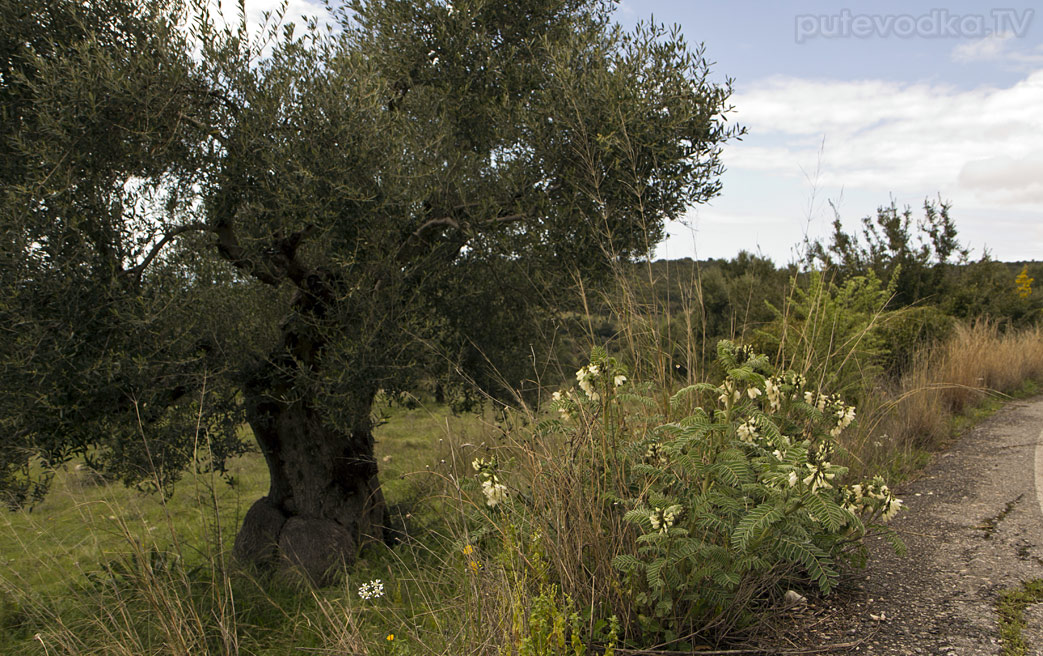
139	270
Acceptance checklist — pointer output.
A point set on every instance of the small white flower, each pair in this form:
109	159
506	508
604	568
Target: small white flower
891	509
671	514
619	380
588	387
819	477
372	590
728	392
654	518
747	430
556	396
494	492
753	392
793	478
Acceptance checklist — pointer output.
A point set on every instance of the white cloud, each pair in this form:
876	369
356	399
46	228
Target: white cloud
1019	179
891	136
998	48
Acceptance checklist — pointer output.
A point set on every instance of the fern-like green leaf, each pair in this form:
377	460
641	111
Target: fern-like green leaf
896	542
627	563
816	562
754	524
732	468
638	516
824	509
654	573
683	393
727	579
637	399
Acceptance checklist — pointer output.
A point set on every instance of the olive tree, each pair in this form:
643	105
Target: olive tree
201	229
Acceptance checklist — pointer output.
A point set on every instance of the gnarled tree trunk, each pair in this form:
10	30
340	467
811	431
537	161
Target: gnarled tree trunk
324	501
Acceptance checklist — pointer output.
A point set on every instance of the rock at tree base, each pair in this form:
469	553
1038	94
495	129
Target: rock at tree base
317	548
258	539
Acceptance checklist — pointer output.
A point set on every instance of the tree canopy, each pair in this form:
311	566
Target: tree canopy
202	228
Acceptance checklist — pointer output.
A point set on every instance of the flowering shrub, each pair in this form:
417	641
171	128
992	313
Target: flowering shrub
731	489
1023	283
494	491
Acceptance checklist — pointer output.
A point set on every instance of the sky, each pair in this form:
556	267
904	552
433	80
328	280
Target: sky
853	106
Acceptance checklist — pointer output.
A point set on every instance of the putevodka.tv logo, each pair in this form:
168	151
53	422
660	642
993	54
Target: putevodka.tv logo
935	24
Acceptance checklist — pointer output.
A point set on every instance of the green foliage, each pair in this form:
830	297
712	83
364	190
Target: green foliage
924	263
729	497
987	288
907	331
1011	608
741	499
294	222
914	257
831	333
551	628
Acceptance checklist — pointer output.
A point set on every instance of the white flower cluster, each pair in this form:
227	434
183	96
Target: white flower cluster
744	353
663	519
747	430
819	476
654	455
773	388
586	377
729	394
774	393
872	495
833	406
372	590
495	492
818	400
845	415
561	402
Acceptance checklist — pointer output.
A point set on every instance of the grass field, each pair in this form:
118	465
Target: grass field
101	569
86	529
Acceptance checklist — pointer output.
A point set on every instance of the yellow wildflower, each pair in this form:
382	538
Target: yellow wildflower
1023	283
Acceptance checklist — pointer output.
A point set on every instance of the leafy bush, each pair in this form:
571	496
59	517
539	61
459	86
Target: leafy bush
830	333
711	499
907	331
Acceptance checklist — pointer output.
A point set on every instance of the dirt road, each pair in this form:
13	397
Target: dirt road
974	527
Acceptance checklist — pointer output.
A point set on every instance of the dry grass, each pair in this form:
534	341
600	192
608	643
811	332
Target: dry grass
915	414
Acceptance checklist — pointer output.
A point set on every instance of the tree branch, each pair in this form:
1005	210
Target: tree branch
420	234
139	270
228	247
